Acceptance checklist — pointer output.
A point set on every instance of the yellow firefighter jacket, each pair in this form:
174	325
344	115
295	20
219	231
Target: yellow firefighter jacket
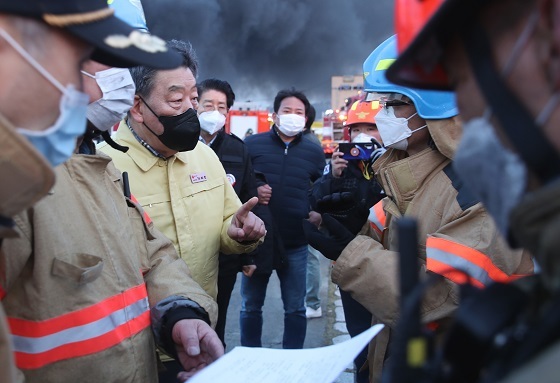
86	281
26	177
458	240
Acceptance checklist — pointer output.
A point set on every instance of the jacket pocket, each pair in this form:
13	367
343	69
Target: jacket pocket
84	268
193	189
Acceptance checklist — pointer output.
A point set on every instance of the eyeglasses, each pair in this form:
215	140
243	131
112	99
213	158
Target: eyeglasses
388	99
386	103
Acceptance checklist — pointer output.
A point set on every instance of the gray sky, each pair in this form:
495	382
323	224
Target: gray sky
262	46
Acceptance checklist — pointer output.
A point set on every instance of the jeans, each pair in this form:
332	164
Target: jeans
292	287
358	320
313	279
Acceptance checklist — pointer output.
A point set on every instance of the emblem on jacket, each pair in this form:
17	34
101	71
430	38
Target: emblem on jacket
231	179
198	177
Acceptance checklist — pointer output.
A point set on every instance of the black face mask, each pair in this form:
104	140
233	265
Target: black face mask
180	132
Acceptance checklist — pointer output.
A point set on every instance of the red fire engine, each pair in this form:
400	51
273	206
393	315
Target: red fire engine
246	119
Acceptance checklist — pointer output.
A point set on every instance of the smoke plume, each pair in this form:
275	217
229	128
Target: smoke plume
262	46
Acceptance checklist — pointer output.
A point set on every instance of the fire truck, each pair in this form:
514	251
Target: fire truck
245	119
333	130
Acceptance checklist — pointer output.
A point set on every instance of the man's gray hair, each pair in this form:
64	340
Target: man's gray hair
143	77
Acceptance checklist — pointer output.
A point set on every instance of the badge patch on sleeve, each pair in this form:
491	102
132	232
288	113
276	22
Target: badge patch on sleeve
231	179
198	177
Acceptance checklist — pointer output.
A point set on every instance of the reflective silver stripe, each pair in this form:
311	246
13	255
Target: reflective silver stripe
91	330
456	262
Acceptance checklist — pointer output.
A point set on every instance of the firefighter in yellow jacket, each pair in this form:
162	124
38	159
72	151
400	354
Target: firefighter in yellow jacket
99	280
501	59
458	239
42	43
89	281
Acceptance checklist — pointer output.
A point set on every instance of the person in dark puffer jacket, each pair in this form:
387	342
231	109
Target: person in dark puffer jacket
290	164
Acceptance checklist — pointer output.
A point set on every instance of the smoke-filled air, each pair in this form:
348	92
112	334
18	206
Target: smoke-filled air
261	46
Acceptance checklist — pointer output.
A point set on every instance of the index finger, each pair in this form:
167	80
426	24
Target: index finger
247	207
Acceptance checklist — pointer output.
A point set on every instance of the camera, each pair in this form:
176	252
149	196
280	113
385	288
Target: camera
357	150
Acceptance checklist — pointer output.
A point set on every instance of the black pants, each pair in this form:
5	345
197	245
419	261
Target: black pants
225	287
358	319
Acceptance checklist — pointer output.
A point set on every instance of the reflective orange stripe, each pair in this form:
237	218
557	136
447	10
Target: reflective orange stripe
461	263
87	347
77	318
450	273
377	217
86	331
146	216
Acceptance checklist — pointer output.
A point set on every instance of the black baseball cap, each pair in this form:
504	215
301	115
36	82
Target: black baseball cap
116	43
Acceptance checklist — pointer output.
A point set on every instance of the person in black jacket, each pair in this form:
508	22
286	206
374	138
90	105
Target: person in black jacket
215	98
289	164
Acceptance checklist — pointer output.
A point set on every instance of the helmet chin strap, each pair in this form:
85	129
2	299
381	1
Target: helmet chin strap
518	124
107	137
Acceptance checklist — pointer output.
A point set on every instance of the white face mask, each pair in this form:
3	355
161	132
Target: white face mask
211	122
58	142
362	137
118	96
394	130
291	124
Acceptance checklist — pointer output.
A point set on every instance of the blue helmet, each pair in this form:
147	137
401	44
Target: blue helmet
131	12
431	105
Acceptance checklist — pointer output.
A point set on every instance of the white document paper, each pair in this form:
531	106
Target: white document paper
266	365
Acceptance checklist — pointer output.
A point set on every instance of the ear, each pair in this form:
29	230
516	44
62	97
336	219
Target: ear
136	112
275	118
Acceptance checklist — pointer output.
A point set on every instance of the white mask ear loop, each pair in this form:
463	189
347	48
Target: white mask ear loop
521	42
550	106
545	113
88	74
412	116
31	60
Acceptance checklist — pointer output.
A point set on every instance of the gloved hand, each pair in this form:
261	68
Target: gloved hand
333	238
376	154
344	207
336	201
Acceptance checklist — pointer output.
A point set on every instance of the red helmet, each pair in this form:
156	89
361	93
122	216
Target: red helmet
362	112
422	27
410	18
